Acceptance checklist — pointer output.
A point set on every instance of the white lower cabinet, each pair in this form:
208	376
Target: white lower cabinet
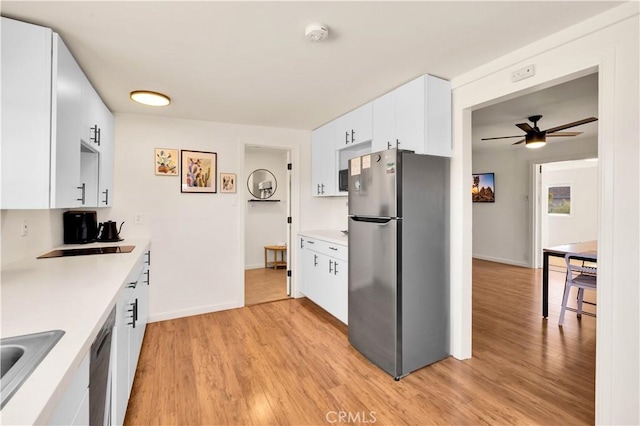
324	272
132	314
73	409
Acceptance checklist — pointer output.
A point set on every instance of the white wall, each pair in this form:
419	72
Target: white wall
265	222
502	230
197	239
582	222
44	231
609	43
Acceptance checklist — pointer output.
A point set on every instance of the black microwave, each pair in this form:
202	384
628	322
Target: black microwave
343	180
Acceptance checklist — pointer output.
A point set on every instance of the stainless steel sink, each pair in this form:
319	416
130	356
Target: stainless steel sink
21	355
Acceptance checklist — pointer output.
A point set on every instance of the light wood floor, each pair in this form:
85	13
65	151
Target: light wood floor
289	362
264	285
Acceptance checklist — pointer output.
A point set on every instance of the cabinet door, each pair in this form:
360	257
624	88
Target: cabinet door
142	310
92	115
26	115
384	123
66	188
337	287
120	359
354	127
438	117
107	141
323	162
74	406
410	115
310	277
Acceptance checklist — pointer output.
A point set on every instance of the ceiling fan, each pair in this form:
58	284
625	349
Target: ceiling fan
536	138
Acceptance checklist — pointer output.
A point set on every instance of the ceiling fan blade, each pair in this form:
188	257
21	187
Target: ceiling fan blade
525	127
575	123
519	142
501	137
565	134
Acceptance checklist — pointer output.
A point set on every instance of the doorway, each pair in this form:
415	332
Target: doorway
505	230
566	204
267	191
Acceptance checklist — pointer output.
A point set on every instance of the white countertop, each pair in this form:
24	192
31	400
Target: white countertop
331	235
74	294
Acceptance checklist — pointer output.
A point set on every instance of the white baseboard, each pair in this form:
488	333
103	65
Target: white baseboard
499	260
164	316
254	266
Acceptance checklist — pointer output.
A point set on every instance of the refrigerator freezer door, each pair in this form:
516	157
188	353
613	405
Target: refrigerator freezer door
373	184
373	272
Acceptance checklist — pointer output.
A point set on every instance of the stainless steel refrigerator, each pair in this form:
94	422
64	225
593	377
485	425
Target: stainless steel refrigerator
399	259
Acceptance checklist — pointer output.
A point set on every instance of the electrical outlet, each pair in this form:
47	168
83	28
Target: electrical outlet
137	219
25	229
522	73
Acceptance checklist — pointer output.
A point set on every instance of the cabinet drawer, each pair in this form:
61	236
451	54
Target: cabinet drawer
326	247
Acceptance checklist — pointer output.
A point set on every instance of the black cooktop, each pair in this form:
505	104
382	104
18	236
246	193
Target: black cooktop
87	251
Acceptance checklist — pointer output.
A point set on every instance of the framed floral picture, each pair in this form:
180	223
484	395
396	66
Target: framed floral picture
166	162
198	172
228	182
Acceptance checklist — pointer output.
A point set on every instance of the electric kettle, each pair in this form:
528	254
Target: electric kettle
109	231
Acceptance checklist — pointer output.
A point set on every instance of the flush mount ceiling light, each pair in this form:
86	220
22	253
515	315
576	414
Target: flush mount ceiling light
316	32
147	97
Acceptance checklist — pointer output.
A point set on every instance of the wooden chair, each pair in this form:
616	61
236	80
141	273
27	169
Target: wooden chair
580	276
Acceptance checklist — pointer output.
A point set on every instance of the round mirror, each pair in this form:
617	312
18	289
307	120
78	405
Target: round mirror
262	184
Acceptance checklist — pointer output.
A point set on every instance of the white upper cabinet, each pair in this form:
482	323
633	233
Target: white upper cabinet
50	156
26	115
323	161
67	190
107	142
91	115
384	123
415	116
354	127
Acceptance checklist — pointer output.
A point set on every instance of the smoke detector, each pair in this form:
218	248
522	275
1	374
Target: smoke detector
316	32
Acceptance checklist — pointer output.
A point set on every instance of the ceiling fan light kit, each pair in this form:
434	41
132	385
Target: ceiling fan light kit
536	138
535	141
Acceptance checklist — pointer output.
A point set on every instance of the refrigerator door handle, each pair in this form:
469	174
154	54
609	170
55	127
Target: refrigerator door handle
372	219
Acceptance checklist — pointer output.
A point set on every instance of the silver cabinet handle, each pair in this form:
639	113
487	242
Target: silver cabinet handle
106	196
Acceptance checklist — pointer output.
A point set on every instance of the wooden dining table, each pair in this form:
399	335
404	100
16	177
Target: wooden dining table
587	248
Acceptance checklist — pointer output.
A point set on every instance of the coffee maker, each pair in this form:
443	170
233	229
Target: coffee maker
80	226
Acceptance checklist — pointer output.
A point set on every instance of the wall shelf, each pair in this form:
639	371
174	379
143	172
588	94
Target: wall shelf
256	200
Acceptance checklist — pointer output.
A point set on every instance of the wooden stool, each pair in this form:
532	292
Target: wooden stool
276	250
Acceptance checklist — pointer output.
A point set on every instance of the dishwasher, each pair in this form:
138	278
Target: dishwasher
100	374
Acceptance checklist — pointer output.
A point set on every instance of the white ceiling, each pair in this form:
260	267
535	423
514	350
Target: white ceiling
560	104
249	63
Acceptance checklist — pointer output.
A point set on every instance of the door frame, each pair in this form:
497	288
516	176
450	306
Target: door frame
293	207
538	204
